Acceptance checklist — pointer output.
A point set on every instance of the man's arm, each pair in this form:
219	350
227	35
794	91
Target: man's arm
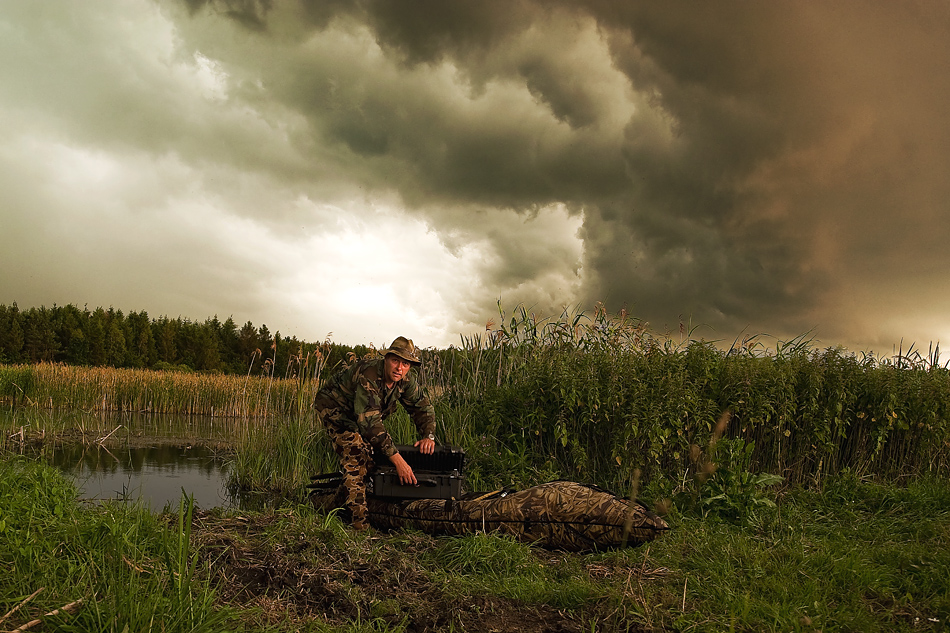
367	405
404	470
416	402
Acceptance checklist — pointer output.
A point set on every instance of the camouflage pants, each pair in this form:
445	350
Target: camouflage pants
355	462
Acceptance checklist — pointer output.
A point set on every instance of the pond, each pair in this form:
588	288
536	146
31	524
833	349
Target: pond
136	457
156	474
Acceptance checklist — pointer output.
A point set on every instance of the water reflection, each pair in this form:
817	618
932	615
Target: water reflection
135	455
132	456
155	474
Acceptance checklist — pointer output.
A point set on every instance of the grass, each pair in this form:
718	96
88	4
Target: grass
130	570
857	556
279	457
501	566
806	490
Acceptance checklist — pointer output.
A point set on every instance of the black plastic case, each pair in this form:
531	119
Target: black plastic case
439	474
431	485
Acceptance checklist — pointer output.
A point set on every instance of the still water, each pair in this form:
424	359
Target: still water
138	457
155	474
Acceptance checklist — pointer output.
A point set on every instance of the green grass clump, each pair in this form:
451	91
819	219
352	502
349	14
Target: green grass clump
278	457
502	566
857	557
129	570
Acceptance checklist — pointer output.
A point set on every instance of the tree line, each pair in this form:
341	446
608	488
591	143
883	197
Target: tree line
100	337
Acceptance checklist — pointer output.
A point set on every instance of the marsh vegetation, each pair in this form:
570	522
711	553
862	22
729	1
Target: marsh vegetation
806	489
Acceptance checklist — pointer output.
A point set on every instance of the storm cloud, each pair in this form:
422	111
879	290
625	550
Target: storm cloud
372	168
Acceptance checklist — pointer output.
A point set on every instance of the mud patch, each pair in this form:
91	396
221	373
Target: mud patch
286	569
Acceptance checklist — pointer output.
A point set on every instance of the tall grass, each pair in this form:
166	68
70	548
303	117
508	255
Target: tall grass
602	397
589	396
279	457
129	570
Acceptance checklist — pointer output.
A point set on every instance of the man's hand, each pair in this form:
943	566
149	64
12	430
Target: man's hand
426	446
406	476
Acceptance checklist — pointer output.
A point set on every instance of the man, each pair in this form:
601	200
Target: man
353	405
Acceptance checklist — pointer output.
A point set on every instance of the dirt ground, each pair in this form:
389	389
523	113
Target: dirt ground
309	575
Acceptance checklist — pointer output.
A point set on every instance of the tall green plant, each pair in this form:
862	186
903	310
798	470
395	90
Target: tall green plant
724	484
596	396
278	458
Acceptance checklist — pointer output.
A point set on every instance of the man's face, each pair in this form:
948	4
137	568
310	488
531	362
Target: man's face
395	368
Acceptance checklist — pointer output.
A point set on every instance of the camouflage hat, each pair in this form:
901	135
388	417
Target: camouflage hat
403	348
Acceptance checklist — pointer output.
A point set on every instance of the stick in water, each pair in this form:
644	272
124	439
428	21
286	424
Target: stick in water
103	439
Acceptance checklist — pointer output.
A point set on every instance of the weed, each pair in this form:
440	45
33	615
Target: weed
723	485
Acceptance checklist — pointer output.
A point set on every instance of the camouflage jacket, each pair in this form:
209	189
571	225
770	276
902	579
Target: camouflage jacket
357	399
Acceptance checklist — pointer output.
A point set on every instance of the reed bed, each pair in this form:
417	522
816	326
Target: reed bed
588	396
278	458
605	400
58	386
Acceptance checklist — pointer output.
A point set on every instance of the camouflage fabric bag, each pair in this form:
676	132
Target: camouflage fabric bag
560	515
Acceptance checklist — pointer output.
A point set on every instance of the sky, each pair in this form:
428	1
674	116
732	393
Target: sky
365	169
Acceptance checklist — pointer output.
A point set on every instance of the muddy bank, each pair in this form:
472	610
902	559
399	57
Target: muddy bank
291	568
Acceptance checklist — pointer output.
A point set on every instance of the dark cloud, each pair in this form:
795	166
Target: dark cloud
251	14
773	166
806	139
772	154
